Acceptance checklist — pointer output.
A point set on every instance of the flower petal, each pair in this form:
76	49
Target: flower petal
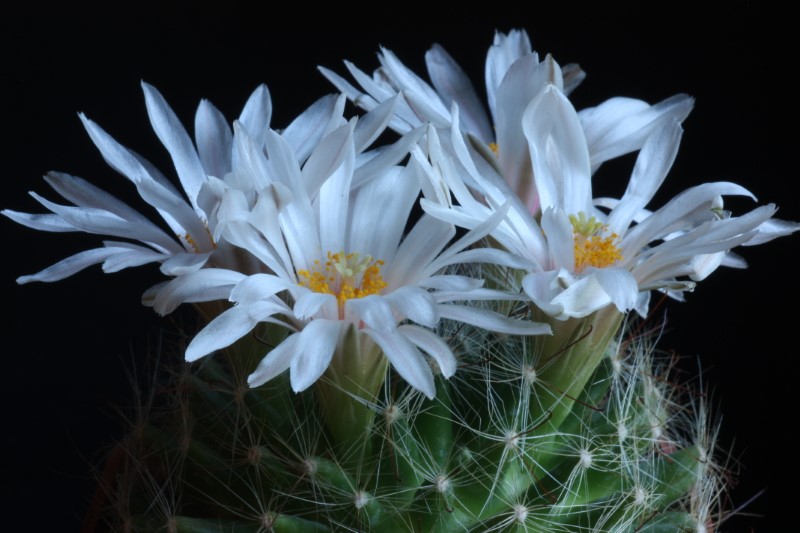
42	222
214	139
315	346
433	345
414	304
227	328
204	285
173	136
505	50
492	321
310	303
374	311
619	284
526	78
559	155
181	264
305	132
453	85
371	125
405	359
70	265
275	362
654	161
257	113
621	125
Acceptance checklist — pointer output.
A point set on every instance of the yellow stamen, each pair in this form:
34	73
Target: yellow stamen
494	148
187	239
191	242
591	248
345	276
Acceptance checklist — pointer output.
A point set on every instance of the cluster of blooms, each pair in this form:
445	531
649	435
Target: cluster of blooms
308	227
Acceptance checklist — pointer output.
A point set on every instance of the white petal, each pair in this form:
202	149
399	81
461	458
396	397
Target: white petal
526	78
505	50
171	206
297	219
406	360
542	287
664	221
334	194
557	227
772	229
411	83
433	345
226	329
379	90
310	303
453	85
733	260
573	76
123	260
643	303
82	193
151	293
471	237
621	125
582	298
414	304
248	160
449	282
703	265
371	125
315	347
384	202
257	114
177	142
305	132
422	244
181	264
258	287
619	284
652	165
327	156
214	139
374	311
70	265
102	222
492	321
476	295
559	154
358	98
275	363
42	222
387	156
204	285
489	256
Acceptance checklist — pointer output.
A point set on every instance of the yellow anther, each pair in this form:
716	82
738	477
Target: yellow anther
191	242
494	148
591	248
345	276
188	240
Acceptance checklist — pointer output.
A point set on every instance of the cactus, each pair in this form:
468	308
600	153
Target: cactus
537	405
502	446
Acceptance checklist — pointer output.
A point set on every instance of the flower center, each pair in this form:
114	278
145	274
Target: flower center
345	276
591	248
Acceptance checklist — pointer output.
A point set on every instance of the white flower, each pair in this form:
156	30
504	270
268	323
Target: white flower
514	76
337	260
580	258
190	245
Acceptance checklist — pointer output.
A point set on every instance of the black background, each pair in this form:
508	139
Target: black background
68	347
